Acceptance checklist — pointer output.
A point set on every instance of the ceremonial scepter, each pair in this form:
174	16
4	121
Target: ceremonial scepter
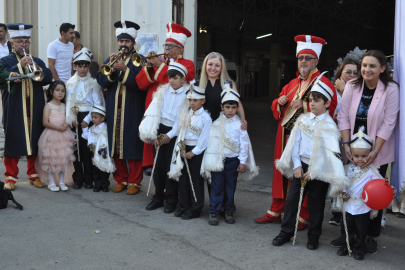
75	111
182	145
341	196
303	183
159	138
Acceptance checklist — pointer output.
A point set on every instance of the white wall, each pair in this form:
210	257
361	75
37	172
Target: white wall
2	11
51	14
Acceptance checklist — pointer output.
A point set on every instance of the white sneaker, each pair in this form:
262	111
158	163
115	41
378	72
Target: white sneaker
63	187
53	187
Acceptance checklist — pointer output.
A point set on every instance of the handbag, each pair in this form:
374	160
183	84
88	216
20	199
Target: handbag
5	196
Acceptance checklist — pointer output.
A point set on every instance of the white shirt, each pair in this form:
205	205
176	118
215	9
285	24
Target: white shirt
63	54
171	101
89	136
202	120
4	49
339	99
239	136
90	99
303	144
356	189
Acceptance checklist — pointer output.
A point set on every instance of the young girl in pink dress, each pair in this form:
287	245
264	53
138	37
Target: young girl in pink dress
55	146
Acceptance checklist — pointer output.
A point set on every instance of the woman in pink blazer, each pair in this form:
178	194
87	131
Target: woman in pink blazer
372	101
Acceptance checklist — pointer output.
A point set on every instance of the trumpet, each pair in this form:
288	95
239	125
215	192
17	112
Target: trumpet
36	74
137	59
107	69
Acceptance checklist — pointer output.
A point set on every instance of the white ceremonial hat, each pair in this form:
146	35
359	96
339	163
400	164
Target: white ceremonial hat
178	67
229	94
309	44
126	29
99	109
323	88
177	34
195	92
361	140
82	55
22	30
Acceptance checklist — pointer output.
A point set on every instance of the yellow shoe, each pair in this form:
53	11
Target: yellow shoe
37	183
119	188
132	190
9	185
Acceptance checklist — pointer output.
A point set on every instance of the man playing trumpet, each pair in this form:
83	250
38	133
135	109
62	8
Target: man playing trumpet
125	109
23	105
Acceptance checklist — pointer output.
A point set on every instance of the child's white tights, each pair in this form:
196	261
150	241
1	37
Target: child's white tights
52	179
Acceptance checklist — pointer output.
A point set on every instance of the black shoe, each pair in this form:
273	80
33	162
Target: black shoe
338	242
312	244
187	215
335	220
280	240
358	255
229	217
179	212
213	219
96	189
371	246
105	189
77	186
88	186
343	252
154	205
169	209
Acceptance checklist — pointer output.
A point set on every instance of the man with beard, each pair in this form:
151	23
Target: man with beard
308	51
125	109
150	78
23	105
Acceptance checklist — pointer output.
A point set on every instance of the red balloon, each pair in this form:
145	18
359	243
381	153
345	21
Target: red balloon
377	194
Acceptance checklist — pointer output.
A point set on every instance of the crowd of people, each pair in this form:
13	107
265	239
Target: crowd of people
332	138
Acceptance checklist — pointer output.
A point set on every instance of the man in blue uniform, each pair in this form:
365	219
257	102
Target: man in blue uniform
23	105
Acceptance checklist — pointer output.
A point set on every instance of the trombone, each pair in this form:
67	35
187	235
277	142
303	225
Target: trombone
107	69
35	74
137	59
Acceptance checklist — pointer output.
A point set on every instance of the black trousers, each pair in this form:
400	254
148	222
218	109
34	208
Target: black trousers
84	167
374	228
316	190
187	201
162	167
357	225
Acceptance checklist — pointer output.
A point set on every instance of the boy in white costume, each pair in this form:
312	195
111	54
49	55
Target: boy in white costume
229	152
97	142
82	92
194	130
357	213
311	154
162	117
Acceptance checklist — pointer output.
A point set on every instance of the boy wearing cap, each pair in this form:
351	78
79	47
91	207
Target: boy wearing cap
162	117
358	214
311	154
82	92
193	130
229	152
97	142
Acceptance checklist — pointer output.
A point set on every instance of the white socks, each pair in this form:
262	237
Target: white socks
51	179
62	178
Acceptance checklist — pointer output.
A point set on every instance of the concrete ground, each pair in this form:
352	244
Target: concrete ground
57	230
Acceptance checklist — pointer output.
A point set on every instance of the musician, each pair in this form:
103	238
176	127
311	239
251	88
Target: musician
125	109
23	106
150	78
308	51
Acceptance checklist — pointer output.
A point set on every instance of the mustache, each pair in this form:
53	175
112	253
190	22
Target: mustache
124	47
168	52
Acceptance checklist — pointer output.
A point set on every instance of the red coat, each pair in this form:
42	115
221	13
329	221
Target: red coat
290	90
150	82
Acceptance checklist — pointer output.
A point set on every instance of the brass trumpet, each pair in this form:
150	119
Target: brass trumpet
137	59
107	69
36	74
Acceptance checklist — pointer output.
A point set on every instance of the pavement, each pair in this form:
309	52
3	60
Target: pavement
80	229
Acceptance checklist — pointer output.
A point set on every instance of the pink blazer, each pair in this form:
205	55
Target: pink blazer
381	118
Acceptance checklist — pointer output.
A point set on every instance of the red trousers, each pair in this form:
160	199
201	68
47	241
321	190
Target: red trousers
12	170
125	176
278	204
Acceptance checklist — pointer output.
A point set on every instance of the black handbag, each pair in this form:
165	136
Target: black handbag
5	196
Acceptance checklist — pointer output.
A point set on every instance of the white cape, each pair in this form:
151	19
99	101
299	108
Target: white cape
325	163
213	160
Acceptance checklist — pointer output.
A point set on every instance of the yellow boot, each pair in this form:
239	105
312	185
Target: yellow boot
119	188
37	183
9	185
132	190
